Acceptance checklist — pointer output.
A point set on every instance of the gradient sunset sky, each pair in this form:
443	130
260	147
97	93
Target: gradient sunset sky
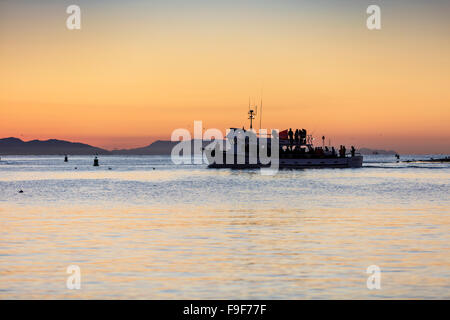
137	70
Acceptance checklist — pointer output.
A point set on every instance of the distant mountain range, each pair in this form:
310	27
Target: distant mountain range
376	151
159	147
15	146
37	147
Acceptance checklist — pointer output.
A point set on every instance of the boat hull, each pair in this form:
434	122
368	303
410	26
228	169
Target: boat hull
345	162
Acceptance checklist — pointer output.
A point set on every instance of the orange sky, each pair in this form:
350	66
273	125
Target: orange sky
134	73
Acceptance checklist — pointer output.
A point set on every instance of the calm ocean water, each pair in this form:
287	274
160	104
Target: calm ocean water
149	229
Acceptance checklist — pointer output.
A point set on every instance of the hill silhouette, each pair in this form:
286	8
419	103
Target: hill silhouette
15	146
367	151
159	147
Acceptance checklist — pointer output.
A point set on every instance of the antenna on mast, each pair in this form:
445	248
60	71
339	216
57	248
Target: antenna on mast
252	115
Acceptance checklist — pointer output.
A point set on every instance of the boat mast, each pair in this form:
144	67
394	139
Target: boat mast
251	113
260	114
251	116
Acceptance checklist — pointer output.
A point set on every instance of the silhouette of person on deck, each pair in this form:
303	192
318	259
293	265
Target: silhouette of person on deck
291	137
303	136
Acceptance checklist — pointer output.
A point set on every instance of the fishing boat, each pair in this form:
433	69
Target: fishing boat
295	151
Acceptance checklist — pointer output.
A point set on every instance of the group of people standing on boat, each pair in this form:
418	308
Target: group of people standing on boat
310	151
343	151
299	136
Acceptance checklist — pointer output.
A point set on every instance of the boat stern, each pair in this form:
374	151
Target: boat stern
355	162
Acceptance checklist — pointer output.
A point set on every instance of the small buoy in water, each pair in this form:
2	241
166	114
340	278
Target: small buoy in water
153	168
96	162
76	168
66	159
20	191
109	168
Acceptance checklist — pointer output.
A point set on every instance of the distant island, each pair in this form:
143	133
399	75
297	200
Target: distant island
367	151
15	146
